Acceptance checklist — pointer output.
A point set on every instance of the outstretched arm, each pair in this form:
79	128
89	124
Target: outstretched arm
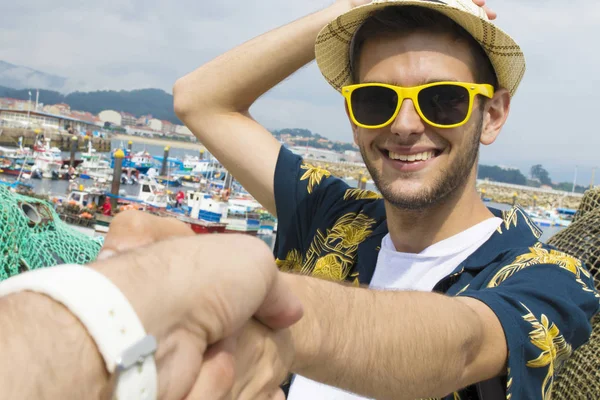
394	345
187	292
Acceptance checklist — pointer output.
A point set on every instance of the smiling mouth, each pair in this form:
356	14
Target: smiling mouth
412	158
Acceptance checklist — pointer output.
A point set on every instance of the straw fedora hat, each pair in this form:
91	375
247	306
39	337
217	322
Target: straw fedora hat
332	48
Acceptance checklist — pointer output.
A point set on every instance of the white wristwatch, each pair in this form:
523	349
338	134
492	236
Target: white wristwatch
109	318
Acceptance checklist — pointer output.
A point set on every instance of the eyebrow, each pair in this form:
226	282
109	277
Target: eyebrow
425	82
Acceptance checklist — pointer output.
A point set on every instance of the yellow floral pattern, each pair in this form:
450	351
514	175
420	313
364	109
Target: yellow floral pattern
331	255
554	349
511	218
463	290
292	263
314	175
359	194
509	382
538	255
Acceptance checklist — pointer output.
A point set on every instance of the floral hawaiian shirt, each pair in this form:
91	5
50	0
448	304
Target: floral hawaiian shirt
543	298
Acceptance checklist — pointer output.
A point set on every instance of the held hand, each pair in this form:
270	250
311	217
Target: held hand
262	359
194	294
134	229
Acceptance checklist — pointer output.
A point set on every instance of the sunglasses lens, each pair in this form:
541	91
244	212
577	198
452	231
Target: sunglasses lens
444	104
373	105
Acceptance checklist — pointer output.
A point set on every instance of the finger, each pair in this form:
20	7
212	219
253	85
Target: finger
133	229
492	15
479	3
217	374
281	308
278	395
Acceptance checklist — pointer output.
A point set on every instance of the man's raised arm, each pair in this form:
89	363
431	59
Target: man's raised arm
214	100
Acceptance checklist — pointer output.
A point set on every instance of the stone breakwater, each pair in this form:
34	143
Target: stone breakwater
342	170
9	137
528	196
494	191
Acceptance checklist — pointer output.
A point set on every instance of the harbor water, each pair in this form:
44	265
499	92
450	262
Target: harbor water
45	186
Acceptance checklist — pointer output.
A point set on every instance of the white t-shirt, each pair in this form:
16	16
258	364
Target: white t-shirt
406	271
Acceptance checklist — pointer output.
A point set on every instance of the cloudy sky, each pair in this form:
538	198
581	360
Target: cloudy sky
128	44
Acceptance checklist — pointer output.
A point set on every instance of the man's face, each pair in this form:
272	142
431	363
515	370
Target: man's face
445	157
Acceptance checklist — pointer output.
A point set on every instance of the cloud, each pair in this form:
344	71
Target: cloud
127	44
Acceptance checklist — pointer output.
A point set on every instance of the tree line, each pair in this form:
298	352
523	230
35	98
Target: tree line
155	102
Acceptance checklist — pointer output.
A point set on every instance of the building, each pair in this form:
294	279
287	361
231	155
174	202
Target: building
144	120
58	109
128	119
141	131
183	130
167	127
14	104
352	156
111	116
155	124
86	116
47	123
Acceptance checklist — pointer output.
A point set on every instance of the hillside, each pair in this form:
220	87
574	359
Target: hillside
156	102
19	77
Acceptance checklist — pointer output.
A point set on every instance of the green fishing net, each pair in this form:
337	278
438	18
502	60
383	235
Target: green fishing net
32	236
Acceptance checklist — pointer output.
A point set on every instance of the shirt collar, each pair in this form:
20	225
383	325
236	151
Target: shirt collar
516	230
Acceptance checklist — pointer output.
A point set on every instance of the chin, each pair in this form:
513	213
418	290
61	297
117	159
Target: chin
408	195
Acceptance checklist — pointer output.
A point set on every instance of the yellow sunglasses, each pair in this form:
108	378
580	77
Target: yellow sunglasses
440	104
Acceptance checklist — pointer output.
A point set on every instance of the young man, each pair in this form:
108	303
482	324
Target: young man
463	301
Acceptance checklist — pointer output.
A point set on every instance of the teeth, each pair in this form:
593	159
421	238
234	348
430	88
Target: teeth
412	157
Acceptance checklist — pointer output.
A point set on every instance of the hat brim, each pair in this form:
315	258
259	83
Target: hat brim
332	47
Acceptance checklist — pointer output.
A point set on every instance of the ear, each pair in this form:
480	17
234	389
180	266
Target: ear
352	124
495	114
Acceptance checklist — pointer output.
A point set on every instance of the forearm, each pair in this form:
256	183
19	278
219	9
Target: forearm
385	345
214	100
234	80
46	352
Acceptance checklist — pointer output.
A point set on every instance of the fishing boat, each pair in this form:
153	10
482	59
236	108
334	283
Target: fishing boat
173	181
141	161
555	217
47	159
190	162
242	216
198	226
267	223
94	166
237	215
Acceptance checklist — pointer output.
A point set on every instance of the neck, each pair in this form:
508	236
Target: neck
412	231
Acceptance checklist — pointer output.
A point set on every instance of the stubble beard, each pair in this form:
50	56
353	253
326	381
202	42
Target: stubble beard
451	179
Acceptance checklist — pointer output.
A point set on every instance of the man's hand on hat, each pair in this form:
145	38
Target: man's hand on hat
490	13
481	3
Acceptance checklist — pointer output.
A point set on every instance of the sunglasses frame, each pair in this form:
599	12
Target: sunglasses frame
412	93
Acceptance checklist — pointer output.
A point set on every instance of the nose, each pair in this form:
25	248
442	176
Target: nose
408	121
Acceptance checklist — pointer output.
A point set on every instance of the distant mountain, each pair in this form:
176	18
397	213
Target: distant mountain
156	102
19	77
